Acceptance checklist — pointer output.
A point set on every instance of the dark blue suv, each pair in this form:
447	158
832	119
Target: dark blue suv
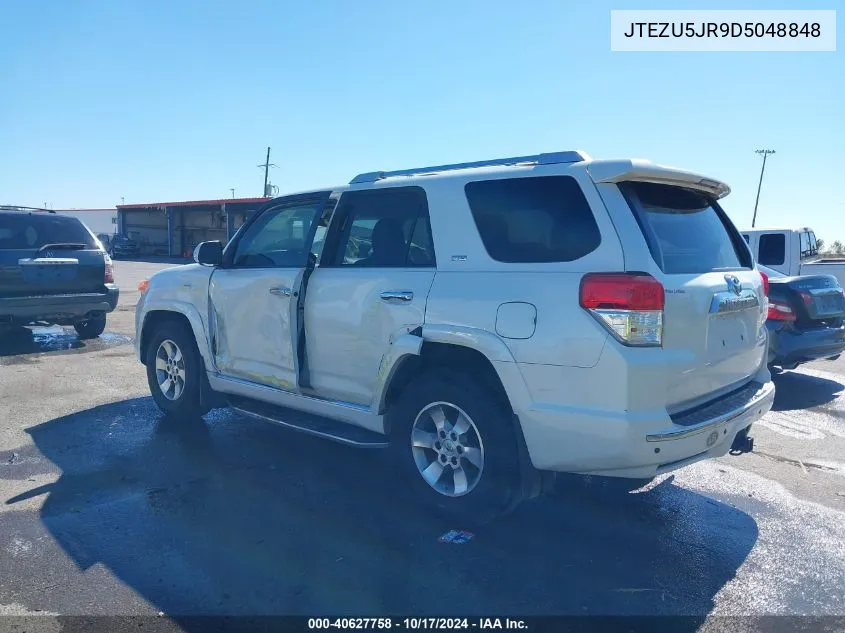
53	271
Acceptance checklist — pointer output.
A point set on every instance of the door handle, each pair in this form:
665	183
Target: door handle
280	292
397	295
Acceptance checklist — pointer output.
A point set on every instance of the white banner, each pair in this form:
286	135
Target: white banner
733	31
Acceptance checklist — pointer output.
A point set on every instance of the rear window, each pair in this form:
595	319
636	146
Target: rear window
686	230
29	231
528	220
772	249
809	247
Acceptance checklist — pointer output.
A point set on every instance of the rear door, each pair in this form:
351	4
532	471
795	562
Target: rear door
713	333
372	284
48	254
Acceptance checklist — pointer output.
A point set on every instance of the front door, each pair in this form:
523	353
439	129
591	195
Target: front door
253	297
371	285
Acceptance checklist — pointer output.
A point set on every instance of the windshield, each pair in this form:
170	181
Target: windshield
32	231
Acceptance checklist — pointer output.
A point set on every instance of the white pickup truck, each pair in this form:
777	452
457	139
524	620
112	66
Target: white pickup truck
792	252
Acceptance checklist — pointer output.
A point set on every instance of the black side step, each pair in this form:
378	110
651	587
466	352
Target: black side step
341	432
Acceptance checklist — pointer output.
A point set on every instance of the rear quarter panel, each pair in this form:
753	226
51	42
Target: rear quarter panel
471	287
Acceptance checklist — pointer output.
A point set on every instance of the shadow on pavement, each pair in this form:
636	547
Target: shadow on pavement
239	518
795	390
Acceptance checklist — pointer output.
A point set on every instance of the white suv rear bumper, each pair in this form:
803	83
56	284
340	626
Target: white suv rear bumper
637	446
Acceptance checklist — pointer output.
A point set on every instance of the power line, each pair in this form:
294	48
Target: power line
765	153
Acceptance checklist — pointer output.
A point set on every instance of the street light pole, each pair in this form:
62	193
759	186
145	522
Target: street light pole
765	153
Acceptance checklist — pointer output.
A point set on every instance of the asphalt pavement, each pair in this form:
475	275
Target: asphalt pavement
108	509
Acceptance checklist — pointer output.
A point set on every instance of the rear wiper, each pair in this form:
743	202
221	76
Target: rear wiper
67	246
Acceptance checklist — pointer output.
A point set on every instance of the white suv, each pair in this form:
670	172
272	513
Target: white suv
490	323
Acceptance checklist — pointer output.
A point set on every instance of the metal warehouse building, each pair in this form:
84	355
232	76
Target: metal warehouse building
175	228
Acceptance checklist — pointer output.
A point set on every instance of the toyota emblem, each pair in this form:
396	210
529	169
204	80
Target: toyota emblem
734	285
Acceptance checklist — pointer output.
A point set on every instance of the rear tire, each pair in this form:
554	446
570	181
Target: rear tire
453	440
90	328
174	370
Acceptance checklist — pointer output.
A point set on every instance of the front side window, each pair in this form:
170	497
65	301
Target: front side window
772	249
535	219
383	228
686	230
277	239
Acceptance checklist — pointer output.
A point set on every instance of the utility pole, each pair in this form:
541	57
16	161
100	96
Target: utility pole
233	191
266	165
765	153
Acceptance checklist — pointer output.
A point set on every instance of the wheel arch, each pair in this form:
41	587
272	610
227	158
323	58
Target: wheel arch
468	349
154	317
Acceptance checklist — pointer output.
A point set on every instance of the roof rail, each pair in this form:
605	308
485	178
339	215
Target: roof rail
11	207
573	156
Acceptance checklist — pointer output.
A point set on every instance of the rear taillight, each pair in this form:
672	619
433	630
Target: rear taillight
765	279
629	305
109	277
779	311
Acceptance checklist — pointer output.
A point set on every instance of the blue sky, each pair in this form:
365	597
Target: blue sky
155	100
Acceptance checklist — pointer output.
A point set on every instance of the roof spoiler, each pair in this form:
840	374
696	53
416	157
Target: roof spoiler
613	171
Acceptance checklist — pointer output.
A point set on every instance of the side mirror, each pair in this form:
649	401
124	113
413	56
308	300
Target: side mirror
209	253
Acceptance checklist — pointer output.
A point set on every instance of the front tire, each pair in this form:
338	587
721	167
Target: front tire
174	370
90	328
454	441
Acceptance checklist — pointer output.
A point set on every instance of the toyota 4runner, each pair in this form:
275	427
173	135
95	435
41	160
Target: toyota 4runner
490	323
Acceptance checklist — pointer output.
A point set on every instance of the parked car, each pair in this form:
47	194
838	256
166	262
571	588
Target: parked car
806	318
122	246
53	271
792	252
504	321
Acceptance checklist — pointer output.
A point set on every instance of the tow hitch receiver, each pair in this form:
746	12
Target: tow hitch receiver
742	442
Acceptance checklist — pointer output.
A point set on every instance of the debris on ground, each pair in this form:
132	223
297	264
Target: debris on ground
459	537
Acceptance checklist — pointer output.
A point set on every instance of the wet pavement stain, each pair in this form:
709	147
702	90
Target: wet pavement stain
25	346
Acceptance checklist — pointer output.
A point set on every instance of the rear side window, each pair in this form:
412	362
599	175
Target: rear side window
30	231
382	228
686	230
772	249
531	220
